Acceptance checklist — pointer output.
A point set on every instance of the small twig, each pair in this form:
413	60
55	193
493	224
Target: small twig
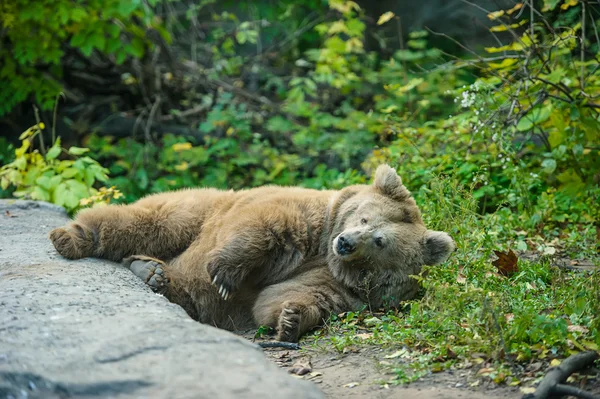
557	87
531	26
58	96
36	111
582	54
277	344
151	117
188	112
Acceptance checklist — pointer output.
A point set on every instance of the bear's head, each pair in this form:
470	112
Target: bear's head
377	233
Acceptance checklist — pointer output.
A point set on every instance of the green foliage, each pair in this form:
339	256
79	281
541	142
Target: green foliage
39	34
43	177
525	132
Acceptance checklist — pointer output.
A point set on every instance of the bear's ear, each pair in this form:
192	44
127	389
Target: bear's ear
437	247
389	183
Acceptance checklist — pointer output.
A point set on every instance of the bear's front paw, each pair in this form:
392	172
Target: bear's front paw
225	276
288	327
73	242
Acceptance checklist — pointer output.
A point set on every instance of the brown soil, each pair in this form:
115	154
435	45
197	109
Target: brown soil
359	374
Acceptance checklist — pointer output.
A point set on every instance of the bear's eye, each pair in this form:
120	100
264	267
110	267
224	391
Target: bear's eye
379	242
363	221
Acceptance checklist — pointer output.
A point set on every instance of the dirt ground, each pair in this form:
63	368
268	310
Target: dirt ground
360	374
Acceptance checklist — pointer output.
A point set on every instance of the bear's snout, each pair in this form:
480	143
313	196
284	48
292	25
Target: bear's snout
345	245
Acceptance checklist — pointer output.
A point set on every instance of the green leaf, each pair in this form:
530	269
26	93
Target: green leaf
78	150
40	194
142	178
550	5
98	40
536	116
549	165
137	47
68	193
54	151
20	163
69	173
113	31
54	181
78	14
121	56
417	44
44	182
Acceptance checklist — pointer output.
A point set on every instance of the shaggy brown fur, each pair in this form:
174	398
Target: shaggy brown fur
279	256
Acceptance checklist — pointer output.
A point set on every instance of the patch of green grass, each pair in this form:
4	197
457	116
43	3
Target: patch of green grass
472	316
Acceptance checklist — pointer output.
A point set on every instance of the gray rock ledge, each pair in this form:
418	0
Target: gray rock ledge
90	328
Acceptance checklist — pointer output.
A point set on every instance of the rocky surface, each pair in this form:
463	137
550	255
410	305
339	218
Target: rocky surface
90	328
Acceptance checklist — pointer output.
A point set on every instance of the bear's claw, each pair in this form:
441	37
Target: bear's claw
288	329
224	279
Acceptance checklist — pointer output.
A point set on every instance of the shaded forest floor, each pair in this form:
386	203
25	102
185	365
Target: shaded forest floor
363	372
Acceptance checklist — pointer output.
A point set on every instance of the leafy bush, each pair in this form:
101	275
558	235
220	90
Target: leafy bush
43	177
35	42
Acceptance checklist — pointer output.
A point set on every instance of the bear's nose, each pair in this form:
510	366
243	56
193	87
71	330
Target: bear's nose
345	245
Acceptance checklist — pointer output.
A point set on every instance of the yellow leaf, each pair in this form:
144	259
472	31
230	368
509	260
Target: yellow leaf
41	125
354	44
337	27
504	27
498	49
495	14
527	389
499	28
182	166
569	3
178	147
389	109
385	17
554	362
26	133
230	131
343	6
517	7
507	62
411	85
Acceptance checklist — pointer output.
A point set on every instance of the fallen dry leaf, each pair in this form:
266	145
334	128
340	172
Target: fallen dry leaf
396	354
555	362
485	371
580	329
301	367
507	263
351	385
364	335
9	215
461	278
527	389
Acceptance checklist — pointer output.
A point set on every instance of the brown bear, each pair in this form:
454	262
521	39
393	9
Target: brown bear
285	257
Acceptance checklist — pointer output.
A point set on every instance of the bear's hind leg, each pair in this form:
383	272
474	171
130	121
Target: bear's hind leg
296	307
118	231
